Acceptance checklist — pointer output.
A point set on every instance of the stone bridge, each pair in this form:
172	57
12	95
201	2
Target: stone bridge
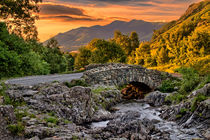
122	74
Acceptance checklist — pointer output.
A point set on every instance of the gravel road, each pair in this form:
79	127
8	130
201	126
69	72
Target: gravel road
33	80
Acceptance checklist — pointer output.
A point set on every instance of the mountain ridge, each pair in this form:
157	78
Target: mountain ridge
71	40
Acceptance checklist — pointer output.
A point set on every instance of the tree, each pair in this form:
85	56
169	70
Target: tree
20	16
142	53
82	59
162	57
124	41
56	59
134	41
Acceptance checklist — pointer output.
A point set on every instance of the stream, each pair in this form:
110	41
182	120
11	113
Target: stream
175	131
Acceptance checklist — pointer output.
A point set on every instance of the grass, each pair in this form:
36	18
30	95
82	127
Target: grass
67	121
197	100
16	129
204	81
7	99
175	98
53	120
98	90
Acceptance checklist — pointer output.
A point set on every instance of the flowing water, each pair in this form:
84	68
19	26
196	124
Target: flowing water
147	112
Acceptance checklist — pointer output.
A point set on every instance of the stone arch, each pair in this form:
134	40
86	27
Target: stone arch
135	90
122	74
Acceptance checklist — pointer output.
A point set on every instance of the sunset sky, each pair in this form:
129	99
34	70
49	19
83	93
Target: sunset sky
59	16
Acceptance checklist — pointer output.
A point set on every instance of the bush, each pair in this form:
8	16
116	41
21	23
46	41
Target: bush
168	86
33	65
190	80
204	81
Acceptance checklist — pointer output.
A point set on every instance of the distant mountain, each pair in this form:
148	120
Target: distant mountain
73	39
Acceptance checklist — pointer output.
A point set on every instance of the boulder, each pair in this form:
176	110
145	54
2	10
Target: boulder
7	117
204	90
156	98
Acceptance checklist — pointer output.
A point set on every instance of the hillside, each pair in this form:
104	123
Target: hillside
73	39
184	42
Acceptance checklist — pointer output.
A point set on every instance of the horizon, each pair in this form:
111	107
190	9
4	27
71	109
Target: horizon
59	16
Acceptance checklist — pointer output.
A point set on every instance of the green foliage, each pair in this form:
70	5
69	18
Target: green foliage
98	90
55	58
75	137
184	42
67	121
168	86
197	100
142	54
127	43
20	16
99	51
106	51
76	82
183	111
51	119
7	99
204	81
175	98
82	59
190	79
20	58
162	57
16	129
20	114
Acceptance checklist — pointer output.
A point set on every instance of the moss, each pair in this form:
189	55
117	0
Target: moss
53	120
67	121
197	100
183	111
7	99
76	82
75	137
51	113
20	114
16	129
32	116
175	98
178	116
98	90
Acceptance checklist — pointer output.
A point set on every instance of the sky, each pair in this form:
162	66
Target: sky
58	16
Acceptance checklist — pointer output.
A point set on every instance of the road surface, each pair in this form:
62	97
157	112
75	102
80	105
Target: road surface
34	80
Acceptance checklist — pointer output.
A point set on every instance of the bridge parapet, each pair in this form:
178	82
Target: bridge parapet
121	74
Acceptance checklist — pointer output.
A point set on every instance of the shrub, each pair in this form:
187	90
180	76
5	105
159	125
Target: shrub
204	80
190	79
168	86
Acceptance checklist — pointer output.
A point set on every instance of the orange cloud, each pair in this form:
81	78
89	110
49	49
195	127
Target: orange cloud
62	15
